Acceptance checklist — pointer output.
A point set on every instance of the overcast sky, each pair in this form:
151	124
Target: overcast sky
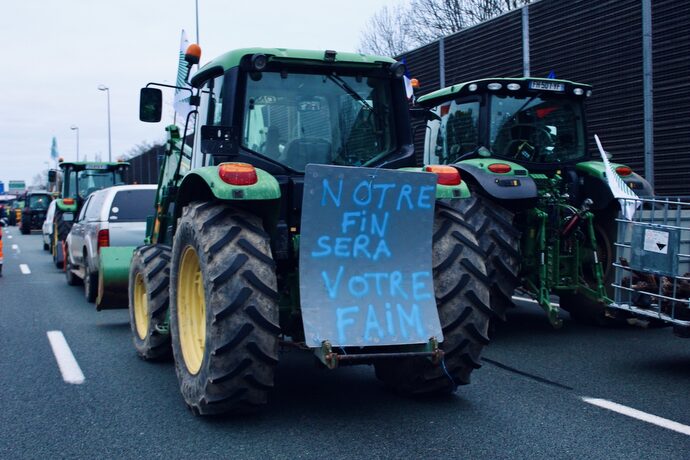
56	53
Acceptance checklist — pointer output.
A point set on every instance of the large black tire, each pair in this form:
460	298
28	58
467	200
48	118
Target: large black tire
60	230
494	227
90	282
580	307
25	227
462	297
232	369
70	277
149	294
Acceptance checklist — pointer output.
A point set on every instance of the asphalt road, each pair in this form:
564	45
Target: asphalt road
525	402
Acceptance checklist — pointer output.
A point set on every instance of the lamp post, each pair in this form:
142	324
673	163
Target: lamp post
76	128
110	150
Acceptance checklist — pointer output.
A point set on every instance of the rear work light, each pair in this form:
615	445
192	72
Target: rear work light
237	173
68	201
500	168
623	170
103	239
447	175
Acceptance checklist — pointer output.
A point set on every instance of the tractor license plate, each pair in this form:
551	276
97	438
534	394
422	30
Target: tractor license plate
365	257
68	217
547	86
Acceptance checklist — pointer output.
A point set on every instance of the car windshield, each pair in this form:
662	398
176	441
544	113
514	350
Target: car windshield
39	202
297	119
536	129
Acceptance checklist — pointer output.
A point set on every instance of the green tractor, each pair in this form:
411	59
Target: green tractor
541	204
76	181
280	221
35	208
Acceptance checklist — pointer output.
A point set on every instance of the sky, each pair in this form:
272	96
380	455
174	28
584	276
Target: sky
57	53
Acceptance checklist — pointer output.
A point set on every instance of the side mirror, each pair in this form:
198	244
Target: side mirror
219	140
150	105
52	176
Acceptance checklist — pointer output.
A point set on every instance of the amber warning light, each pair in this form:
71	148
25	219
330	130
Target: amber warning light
447	175
192	54
237	173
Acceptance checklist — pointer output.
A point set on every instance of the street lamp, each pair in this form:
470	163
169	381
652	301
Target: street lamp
110	150
76	128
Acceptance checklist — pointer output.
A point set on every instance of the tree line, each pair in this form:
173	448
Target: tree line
404	26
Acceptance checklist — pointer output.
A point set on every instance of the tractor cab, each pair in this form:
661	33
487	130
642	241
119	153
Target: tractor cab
536	122
79	180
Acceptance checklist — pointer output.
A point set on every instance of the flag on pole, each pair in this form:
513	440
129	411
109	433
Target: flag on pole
409	90
54	150
628	199
181	102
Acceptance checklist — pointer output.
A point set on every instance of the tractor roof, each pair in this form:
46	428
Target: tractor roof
545	85
93	165
233	58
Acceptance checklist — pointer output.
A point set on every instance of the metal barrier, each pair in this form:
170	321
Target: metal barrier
652	267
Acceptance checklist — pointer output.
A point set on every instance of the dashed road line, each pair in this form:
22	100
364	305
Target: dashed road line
639	415
25	269
69	368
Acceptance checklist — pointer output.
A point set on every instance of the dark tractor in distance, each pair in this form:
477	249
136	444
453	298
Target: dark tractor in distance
541	204
221	278
76	181
34	212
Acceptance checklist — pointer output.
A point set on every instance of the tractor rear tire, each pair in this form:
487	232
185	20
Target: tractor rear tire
25	227
462	297
149	294
224	319
60	230
498	237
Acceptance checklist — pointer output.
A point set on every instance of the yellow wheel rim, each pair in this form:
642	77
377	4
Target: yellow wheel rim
141	307
191	310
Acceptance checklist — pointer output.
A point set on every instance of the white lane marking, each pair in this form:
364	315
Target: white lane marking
25	269
9	236
69	368
639	415
15	247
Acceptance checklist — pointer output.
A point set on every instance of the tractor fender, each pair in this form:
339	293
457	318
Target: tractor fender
515	189
597	188
62	206
205	184
113	277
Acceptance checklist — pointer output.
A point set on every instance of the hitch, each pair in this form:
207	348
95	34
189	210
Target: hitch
332	359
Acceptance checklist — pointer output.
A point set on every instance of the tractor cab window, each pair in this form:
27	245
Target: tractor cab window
536	129
296	119
83	183
39	202
458	133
